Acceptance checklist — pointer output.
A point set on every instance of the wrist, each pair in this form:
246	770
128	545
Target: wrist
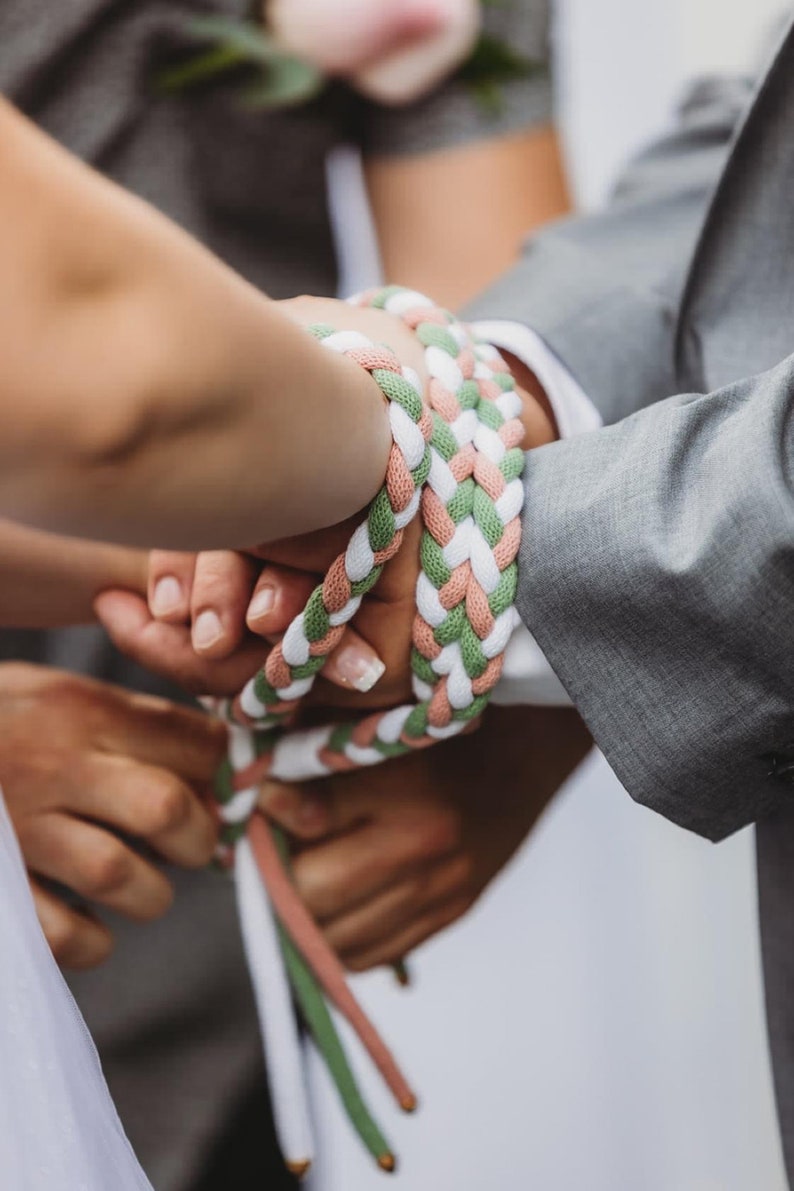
363	460
537	417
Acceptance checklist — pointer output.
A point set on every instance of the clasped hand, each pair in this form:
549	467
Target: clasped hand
385	857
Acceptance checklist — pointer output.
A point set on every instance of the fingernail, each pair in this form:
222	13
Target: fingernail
207	629
358	668
166	596
262	603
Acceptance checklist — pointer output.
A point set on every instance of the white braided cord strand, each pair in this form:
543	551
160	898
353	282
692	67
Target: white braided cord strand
460	451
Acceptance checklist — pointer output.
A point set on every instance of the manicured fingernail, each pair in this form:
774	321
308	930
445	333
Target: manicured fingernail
262	603
359	668
207	629
166	596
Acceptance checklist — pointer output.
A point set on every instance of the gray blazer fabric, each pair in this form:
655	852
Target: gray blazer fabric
658	576
619	274
657	569
657	564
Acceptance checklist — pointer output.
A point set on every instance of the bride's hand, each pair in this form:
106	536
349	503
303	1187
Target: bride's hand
207	615
214	604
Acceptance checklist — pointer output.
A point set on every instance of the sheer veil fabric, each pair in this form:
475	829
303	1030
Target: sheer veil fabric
58	1125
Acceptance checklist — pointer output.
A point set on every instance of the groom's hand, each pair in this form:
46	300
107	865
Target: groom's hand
99	782
390	856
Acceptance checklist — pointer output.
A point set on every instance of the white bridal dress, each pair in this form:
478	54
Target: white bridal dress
59	1130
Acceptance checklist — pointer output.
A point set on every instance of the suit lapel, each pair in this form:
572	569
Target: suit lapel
737	313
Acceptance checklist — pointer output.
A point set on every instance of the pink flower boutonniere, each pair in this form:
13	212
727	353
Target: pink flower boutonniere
272	76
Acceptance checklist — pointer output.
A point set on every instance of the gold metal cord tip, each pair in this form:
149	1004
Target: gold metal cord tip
409	1104
387	1162
299	1169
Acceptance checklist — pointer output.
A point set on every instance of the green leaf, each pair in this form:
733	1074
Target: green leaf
492	64
249	40
489	97
280	80
494	61
286	82
200	69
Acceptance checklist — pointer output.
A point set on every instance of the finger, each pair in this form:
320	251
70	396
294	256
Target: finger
337	876
280	594
96	865
168	650
158	732
393	911
310	552
222	586
150	803
170	584
341	802
354	664
144	728
304	811
313	810
405	941
76	938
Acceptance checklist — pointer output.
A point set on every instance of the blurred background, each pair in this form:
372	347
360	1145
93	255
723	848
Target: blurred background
597	1022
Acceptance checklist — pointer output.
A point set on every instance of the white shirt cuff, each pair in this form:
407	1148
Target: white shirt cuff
526	676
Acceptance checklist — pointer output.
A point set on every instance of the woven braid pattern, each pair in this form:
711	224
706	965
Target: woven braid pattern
456	456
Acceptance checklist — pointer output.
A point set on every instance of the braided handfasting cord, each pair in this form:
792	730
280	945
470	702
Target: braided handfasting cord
455	456
459	457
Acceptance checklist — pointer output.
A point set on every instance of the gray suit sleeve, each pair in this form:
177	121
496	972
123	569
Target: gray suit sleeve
657	574
657	568
603	291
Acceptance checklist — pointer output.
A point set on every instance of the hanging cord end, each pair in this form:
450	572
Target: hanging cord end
299	1169
402	973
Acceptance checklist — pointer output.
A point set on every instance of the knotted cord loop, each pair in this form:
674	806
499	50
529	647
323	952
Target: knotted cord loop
456	457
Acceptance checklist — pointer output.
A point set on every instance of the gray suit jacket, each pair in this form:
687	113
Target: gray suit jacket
657	567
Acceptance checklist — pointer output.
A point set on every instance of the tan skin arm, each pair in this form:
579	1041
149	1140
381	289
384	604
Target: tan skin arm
47	581
510	185
147	393
81	289
449	222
